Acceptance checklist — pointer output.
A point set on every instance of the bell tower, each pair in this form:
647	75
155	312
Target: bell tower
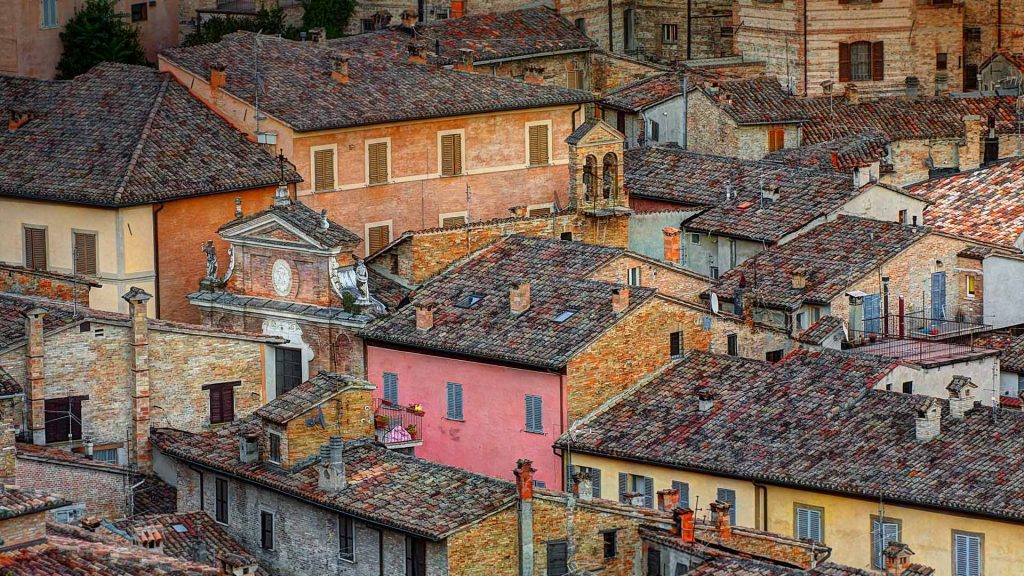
595	183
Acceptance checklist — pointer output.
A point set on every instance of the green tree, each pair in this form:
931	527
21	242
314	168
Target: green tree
267	21
331	15
98	33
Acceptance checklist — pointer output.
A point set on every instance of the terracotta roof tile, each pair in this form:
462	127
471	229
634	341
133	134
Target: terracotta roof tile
8	385
20	501
298	88
641	94
556	272
840	155
1012	359
986	205
820	330
72	557
123	135
306	220
301	399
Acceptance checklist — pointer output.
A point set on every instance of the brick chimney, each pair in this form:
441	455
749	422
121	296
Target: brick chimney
961	399
9	417
685	523
236	565
150	538
971	152
671	238
897	558
519	297
332	465
249	447
620	299
17	119
852	94
465	62
668	499
35	391
928	423
524	488
340	71
533	74
799	277
424	316
633	499
720	516
524	479
139	362
409	18
218	77
417	54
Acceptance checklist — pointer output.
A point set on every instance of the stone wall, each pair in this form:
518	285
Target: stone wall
584	523
488	548
22	530
709	130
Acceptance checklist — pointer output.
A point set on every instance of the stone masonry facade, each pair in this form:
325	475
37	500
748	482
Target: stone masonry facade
100	488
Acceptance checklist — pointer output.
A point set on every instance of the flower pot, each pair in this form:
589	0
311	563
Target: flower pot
380	421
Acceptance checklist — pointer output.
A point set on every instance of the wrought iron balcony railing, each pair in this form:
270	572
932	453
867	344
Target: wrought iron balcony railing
397	426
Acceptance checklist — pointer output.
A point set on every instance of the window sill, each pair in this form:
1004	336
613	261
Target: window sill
537	432
54	27
370	184
451	175
351	560
538	165
462	420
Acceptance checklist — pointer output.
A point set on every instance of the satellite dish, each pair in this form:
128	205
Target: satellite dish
714	303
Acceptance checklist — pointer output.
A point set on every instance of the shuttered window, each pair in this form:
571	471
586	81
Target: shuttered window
726	495
534	413
221	501
640	484
882	533
63	419
558	558
454	401
684	493
377	163
453	221
391	387
378	238
287	368
861	61
222	402
85	253
776	138
808	524
49	14
538	212
538	153
967	555
275	447
323	170
595	479
451	154
35	248
266	530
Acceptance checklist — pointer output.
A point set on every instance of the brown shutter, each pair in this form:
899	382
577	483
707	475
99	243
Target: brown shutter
451	154
540	212
378	238
538	145
844	62
227	407
877	61
35	248
378	159
453	221
85	253
216	405
323	170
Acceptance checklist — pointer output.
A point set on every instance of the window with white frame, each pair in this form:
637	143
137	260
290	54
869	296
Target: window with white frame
323	168
48	14
808	523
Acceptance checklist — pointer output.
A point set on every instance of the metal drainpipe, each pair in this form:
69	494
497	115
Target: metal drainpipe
611	32
156	259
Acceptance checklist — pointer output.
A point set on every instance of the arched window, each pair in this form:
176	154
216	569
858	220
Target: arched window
611	173
589	178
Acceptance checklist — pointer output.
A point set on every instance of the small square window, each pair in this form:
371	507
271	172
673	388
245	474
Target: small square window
108	455
581	25
972	34
669	33
908	387
633	276
714	272
733	345
267	530
675	344
140	12
694	238
941	61
902	218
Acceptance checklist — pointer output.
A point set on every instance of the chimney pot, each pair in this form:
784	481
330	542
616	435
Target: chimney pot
705	400
668	499
248	448
332	468
519	297
634	499
671	237
417	54
17	119
524	479
928	423
340	71
685	524
720	516
799	277
852	94
961	399
424	316
533	74
409	18
620	299
35	352
465	62
218	77
897	558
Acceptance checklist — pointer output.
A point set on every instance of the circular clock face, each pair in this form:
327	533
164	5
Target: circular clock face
281	275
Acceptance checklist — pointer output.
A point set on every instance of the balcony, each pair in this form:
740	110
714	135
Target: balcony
397	426
917	338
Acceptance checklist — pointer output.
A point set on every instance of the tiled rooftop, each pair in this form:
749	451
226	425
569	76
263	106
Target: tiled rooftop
8	385
555	271
180	532
384	487
305	397
1012	359
61	456
671	174
814	421
21	501
820	330
123	135
754	101
986	205
29	95
299	89
839	155
60	555
493	36
305	220
832	256
641	94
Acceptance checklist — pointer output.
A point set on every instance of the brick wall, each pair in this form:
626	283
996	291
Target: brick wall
101	490
667	280
609	71
18	280
351	407
585	524
709	130
310	274
22	529
488	548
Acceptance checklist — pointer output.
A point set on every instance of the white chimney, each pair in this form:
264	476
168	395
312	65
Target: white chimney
928	423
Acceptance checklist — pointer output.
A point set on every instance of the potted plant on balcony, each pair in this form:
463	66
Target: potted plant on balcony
381	421
412	429
415	409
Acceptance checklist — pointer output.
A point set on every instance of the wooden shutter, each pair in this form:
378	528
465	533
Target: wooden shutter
538	145
453	222
391	387
537	212
877	61
379	238
85	253
534	413
808	524
684	493
623	486
649	492
558	559
221	501
595	481
35	248
323	170
451	154
882	533
378	162
266	530
967	555
222	403
845	68
454	401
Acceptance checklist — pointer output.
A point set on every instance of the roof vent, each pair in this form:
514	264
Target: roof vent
620	299
799	279
424	316
705	400
324	223
961	399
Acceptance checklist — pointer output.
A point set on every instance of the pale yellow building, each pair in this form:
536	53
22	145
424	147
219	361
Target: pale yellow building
807	438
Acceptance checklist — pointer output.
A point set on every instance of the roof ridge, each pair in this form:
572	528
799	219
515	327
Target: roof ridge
143	138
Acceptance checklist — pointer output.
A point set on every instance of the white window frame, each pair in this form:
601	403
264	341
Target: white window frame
441	217
312	167
280	446
366	161
810	509
366	233
273	528
634	271
526	144
440	156
341	556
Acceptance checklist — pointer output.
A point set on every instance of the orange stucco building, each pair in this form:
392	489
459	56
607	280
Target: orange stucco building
386	144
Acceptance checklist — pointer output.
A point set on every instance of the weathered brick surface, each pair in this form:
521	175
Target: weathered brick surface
488	548
669	280
18	280
22	529
348	413
102	491
584	524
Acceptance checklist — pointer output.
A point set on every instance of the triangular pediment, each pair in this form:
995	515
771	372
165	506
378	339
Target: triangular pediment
270	230
596	132
276	233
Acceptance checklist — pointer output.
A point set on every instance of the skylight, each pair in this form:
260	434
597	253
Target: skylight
564	315
469	300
